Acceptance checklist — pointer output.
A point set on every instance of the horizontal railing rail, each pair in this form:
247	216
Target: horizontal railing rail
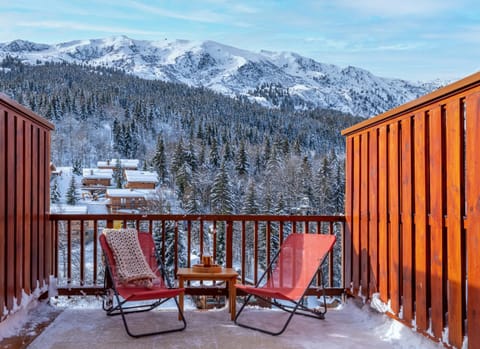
244	242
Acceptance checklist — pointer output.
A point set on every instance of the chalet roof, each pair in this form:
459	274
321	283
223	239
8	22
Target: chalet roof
68	209
130	193
141	176
126	163
97	173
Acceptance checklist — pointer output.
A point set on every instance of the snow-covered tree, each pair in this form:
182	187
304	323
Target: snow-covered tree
220	195
55	192
72	192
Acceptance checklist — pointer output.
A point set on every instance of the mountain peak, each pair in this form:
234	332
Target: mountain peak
275	79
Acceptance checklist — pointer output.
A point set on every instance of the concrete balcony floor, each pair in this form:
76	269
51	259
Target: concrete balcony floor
349	326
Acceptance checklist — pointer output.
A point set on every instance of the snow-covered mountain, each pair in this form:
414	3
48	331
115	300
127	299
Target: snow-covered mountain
274	79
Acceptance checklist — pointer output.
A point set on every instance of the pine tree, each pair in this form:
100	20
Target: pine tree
77	167
221	193
214	157
241	163
178	157
250	206
54	192
71	192
168	245
159	160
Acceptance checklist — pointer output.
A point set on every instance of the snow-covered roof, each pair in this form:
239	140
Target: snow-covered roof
133	193
68	209
97	173
141	176
128	163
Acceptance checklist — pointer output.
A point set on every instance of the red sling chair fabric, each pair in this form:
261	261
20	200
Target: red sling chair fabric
159	293
291	273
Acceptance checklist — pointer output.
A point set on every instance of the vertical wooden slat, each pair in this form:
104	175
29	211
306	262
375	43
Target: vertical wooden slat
19	211
356	214
436	220
189	243
454	127
394	233
3	209
364	197
27	206
228	244
255	253
82	252
268	241
373	211
10	212
95	249
175	244
473	216
244	250
46	208
34	205
407	221
348	213
330	259
421	280
41	207
383	212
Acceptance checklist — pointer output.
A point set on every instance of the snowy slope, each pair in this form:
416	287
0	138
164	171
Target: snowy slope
271	78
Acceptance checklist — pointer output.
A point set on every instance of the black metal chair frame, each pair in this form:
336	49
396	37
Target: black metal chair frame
296	307
112	309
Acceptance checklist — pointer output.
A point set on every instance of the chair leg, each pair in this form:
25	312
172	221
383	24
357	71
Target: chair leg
284	327
119	310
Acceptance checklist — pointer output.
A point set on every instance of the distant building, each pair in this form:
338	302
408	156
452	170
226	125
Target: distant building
128	199
141	179
97	177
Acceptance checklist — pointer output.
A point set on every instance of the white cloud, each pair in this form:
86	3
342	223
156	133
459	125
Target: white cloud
398	8
85	27
195	16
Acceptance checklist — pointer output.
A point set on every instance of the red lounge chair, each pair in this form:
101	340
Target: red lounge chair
158	292
288	277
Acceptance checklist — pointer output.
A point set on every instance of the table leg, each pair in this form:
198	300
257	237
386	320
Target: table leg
180	296
232	295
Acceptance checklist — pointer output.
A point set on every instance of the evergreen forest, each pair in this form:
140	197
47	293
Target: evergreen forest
217	154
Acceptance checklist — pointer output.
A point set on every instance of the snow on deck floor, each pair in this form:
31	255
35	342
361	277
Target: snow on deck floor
345	327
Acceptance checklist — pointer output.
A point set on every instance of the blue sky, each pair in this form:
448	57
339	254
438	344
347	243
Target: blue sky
409	39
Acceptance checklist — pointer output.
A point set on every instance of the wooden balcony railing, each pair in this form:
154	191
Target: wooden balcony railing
245	243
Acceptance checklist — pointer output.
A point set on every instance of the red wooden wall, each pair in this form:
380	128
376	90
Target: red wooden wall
25	241
413	211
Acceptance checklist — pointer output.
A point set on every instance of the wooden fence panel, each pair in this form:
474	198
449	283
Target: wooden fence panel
19	211
373	211
27	202
421	240
456	279
473	216
35	213
427	205
408	275
24	199
349	213
10	212
364	252
383	212
394	212
437	260
356	215
3	199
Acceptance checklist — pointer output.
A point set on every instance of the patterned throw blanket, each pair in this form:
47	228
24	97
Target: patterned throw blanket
130	262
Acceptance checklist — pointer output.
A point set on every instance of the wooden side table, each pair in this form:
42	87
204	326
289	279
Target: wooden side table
226	274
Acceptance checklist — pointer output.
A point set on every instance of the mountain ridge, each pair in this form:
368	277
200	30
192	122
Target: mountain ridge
274	79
